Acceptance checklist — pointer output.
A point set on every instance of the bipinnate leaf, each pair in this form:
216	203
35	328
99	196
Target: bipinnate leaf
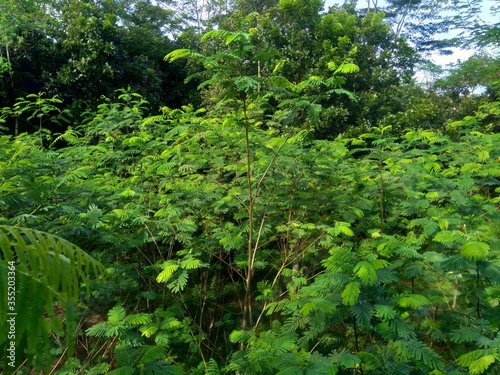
366	272
350	294
216	34
483	155
180	54
425	356
212	367
152	352
169	267
124	370
179	283
413	301
245	83
345	68
348	360
478	361
480	365
239	336
138	319
116	315
385	312
475	251
190	263
464	334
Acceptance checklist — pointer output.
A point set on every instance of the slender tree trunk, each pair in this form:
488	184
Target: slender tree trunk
381	197
478	305
247	303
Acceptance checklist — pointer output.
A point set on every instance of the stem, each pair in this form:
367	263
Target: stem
247	303
356	347
198	342
258	75
7	53
40	132
455	296
381	198
478	306
203	298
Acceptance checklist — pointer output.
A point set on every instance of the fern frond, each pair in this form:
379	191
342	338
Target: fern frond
48	270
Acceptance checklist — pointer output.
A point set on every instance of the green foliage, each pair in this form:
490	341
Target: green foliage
398	256
40	274
235	241
138	353
475	251
351	293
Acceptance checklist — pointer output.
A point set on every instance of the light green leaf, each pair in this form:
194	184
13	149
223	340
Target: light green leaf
366	272
413	301
475	251
116	315
179	283
149	331
346	230
307	308
346	68
480	365
483	156
239	336
190	263
350	294
127	193
169	267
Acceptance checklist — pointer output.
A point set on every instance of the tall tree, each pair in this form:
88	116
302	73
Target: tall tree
25	45
478	73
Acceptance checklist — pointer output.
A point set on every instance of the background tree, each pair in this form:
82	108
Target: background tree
25	46
478	73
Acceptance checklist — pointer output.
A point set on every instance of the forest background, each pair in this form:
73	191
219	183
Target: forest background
248	187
